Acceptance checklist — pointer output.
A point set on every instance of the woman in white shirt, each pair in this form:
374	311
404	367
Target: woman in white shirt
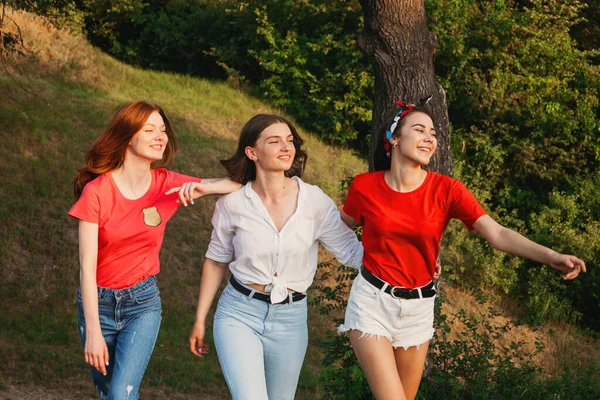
268	233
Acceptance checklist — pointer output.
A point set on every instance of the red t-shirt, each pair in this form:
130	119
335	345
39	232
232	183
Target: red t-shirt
402	231
130	232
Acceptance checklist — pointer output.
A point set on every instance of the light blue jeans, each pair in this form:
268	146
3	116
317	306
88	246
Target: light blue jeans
129	319
261	346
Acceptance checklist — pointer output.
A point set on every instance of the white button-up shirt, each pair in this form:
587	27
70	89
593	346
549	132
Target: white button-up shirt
245	236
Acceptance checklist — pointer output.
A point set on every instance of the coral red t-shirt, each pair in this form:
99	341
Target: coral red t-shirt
130	232
402	231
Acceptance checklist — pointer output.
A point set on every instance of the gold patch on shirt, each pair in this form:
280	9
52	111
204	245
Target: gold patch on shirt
151	216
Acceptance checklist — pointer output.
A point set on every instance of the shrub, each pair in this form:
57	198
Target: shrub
523	102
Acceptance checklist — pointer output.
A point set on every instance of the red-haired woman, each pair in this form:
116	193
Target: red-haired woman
123	202
404	210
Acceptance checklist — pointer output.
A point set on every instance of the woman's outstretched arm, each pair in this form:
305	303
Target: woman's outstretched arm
509	241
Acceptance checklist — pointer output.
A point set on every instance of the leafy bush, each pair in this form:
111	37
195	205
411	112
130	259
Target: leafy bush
300	55
523	102
570	223
473	366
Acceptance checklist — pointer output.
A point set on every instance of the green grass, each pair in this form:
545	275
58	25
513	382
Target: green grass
44	140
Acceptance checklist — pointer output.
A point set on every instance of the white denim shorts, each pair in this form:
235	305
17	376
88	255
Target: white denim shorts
404	323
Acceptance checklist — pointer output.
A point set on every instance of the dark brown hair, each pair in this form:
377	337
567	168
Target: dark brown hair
243	170
380	159
108	151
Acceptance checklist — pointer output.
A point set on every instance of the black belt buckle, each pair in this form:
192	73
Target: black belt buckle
296	296
398	292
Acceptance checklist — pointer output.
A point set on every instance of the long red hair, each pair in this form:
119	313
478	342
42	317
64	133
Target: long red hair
108	151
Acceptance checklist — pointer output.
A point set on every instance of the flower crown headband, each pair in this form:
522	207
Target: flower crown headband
405	108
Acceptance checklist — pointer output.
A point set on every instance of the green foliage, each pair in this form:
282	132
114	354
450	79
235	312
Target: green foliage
475	366
175	36
570	223
516	79
109	23
301	55
314	67
523	102
587	31
468	258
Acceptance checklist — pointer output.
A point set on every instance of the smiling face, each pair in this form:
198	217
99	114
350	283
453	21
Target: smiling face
274	149
415	139
150	142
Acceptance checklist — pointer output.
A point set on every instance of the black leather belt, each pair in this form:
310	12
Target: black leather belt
397	291
296	296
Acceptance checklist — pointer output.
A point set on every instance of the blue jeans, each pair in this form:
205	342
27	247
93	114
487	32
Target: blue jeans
129	319
261	346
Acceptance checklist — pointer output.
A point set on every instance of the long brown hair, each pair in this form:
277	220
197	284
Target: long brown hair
243	170
108	151
381	161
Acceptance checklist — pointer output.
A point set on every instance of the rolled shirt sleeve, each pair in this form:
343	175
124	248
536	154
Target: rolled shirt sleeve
220	248
340	240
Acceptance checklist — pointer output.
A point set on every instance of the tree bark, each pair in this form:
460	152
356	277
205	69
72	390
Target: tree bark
396	39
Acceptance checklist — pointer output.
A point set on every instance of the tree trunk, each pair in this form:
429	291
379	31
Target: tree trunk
396	39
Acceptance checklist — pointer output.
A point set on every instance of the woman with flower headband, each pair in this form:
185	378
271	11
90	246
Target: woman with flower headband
123	202
267	234
404	210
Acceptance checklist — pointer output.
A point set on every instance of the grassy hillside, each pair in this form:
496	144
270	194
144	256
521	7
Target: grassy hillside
49	115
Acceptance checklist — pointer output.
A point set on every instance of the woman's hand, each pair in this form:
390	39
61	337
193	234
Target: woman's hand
438	272
189	191
213	273
96	352
197	346
569	264
509	241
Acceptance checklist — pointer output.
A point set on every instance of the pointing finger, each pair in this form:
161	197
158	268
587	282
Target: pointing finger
173	190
